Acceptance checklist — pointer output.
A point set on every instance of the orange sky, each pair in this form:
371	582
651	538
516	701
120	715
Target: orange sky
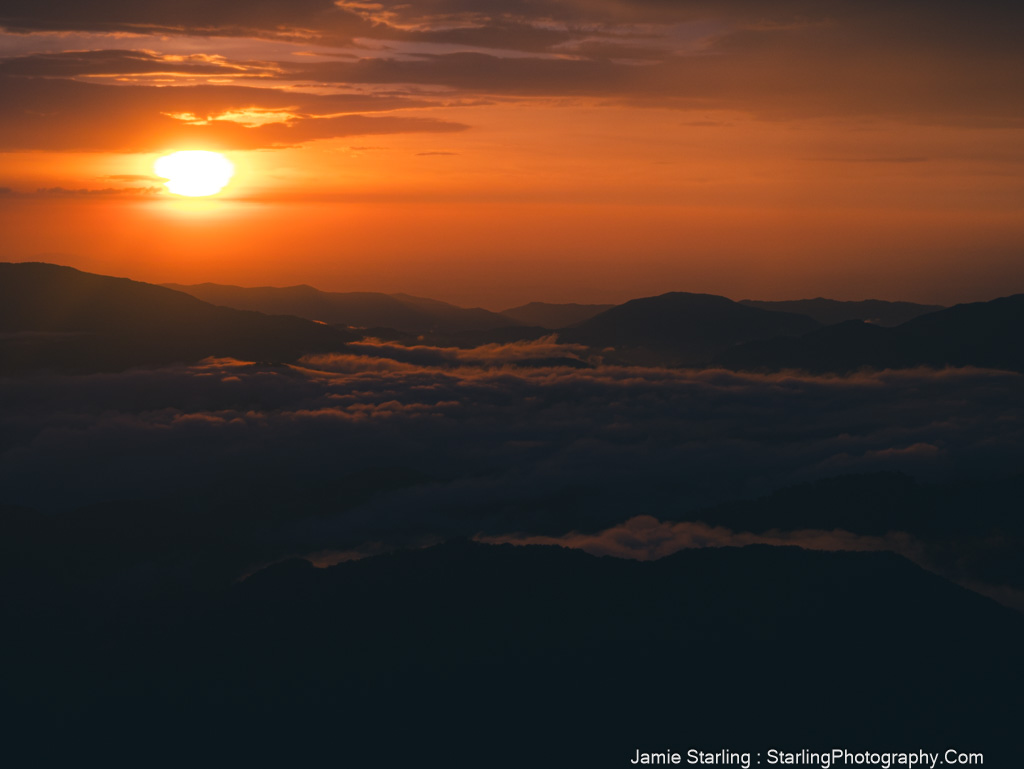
555	151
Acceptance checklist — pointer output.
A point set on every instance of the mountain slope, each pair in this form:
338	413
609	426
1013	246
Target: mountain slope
830	311
985	334
58	317
452	318
475	642
975	334
684	328
362	309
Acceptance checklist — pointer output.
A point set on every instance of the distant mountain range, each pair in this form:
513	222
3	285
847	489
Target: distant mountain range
683	328
361	309
60	318
830	311
672	329
986	334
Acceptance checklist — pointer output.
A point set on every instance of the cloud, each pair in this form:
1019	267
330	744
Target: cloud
481	73
268	18
545	351
386	447
497	441
907	159
904	60
62	192
128	62
144	119
776	74
645	538
132	177
323	19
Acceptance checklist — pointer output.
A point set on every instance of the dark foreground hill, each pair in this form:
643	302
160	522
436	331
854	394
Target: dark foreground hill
363	309
469	655
828	312
683	328
55	317
970	532
985	334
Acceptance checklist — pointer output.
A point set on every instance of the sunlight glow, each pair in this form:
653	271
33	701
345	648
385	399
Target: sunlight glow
195	173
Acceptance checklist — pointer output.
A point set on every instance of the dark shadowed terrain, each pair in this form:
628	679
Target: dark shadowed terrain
309	525
466	649
410	314
829	311
246	536
58	318
983	334
683	328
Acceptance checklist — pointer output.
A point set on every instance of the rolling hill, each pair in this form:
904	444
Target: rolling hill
466	642
985	334
683	328
55	317
830	311
401	312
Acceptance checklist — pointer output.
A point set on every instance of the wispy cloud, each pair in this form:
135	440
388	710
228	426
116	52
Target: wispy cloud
154	119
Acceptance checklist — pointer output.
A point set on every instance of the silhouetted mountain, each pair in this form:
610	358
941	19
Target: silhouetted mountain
975	334
450	317
983	334
843	347
830	311
549	315
467	650
60	318
361	309
683	328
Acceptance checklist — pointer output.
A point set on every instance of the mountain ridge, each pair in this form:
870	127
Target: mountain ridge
983	334
831	311
59	317
362	309
469	637
684	328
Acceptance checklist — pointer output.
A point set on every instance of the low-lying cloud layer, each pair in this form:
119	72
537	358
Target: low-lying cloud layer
528	442
645	538
494	443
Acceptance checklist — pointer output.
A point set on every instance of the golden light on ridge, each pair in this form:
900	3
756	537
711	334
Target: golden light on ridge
194	173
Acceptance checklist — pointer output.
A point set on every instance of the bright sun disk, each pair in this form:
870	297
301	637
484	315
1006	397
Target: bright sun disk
195	173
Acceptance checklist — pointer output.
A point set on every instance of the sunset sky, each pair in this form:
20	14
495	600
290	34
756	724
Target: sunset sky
277	522
494	152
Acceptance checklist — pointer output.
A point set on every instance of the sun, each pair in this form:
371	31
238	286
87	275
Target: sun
195	173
